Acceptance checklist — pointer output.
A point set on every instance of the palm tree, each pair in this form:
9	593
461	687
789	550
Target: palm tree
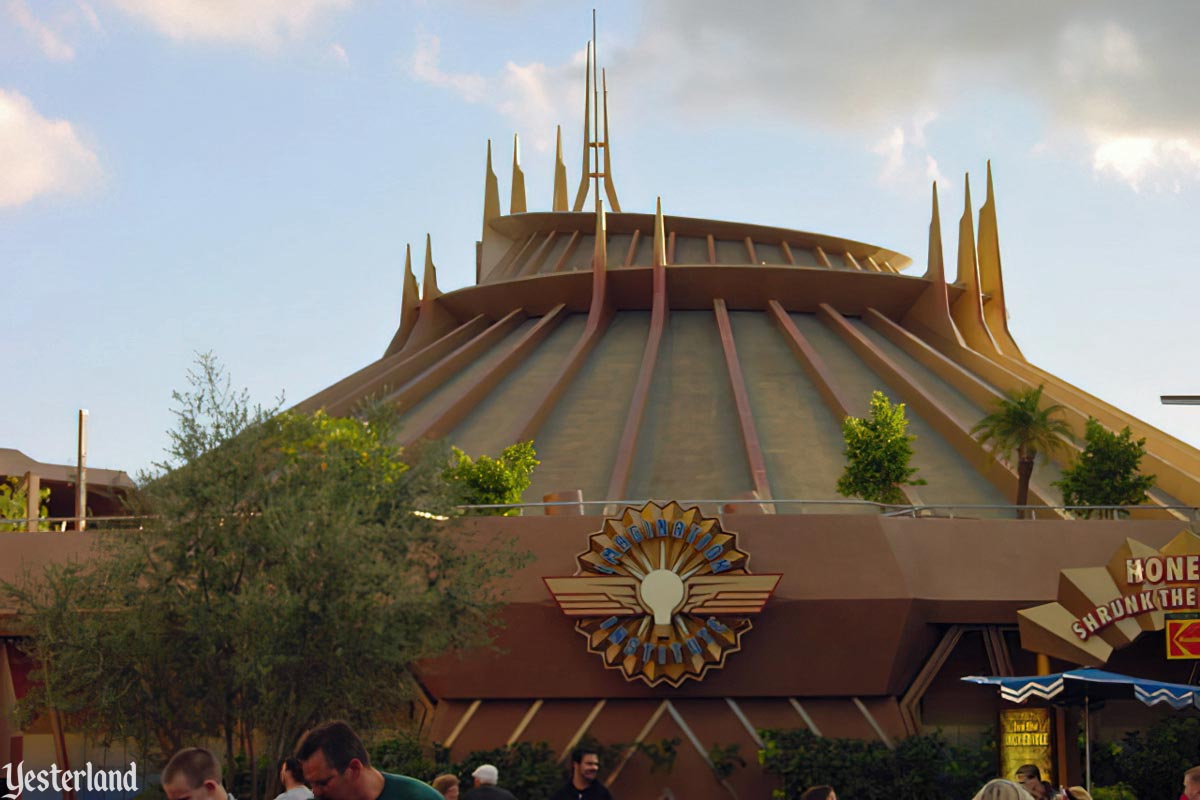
1020	423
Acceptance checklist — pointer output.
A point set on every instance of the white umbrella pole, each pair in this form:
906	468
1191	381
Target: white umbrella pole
1087	743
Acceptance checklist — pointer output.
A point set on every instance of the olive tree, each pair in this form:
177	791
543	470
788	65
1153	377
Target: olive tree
292	567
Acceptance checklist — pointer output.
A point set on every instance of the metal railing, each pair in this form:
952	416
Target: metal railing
800	506
63	524
718	506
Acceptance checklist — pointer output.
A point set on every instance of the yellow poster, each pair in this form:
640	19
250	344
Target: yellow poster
1025	739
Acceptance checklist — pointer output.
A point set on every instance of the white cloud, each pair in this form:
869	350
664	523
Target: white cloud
891	149
338	55
1104	77
263	24
52	45
857	67
426	68
1136	159
536	97
89	14
40	156
907	163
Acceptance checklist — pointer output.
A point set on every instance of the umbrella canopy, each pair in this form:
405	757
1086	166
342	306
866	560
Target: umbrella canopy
1092	684
1082	686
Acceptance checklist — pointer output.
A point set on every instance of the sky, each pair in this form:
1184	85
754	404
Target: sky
241	177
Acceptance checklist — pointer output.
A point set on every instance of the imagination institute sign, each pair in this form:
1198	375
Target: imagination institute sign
663	594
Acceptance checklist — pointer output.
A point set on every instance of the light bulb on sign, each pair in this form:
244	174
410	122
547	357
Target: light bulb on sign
661	591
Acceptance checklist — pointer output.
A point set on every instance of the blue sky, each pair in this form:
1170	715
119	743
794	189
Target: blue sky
242	177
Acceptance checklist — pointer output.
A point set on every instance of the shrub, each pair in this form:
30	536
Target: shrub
919	768
493	481
878	449
1106	472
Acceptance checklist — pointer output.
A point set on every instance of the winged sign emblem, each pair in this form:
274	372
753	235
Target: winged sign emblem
663	594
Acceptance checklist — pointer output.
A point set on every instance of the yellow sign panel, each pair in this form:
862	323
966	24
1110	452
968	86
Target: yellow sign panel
1025	739
662	594
1182	636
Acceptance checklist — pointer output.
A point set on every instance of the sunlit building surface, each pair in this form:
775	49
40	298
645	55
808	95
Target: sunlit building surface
660	358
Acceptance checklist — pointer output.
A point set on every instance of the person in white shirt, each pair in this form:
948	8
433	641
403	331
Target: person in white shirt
292	778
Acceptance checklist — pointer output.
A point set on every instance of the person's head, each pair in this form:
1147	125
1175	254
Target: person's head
1030	777
486	775
585	765
1002	789
1078	793
819	793
290	773
333	760
447	785
1191	783
193	774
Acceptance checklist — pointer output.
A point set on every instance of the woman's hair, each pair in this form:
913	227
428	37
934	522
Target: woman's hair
1079	793
1001	789
444	783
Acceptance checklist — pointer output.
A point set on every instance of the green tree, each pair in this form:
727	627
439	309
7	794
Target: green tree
878	449
1020	424
492	481
13	496
1106	472
284	577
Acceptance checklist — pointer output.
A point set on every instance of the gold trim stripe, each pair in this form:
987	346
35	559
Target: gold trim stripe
534	708
741	715
691	735
583	729
641	737
462	723
883	737
812	726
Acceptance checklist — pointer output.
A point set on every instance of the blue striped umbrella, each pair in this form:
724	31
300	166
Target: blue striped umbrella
1095	684
1082	686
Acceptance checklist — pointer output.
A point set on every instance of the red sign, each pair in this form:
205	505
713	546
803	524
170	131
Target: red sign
1183	638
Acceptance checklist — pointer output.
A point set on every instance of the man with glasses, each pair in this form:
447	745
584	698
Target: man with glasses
337	766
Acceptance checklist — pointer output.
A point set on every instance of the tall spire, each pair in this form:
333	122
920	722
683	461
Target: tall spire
429	287
491	193
968	308
609	189
968	270
410	302
517	203
594	166
600	253
560	174
991	279
412	295
659	255
931	311
936	269
581	194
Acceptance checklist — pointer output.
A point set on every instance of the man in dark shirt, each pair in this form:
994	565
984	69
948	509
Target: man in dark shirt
337	766
486	777
585	766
